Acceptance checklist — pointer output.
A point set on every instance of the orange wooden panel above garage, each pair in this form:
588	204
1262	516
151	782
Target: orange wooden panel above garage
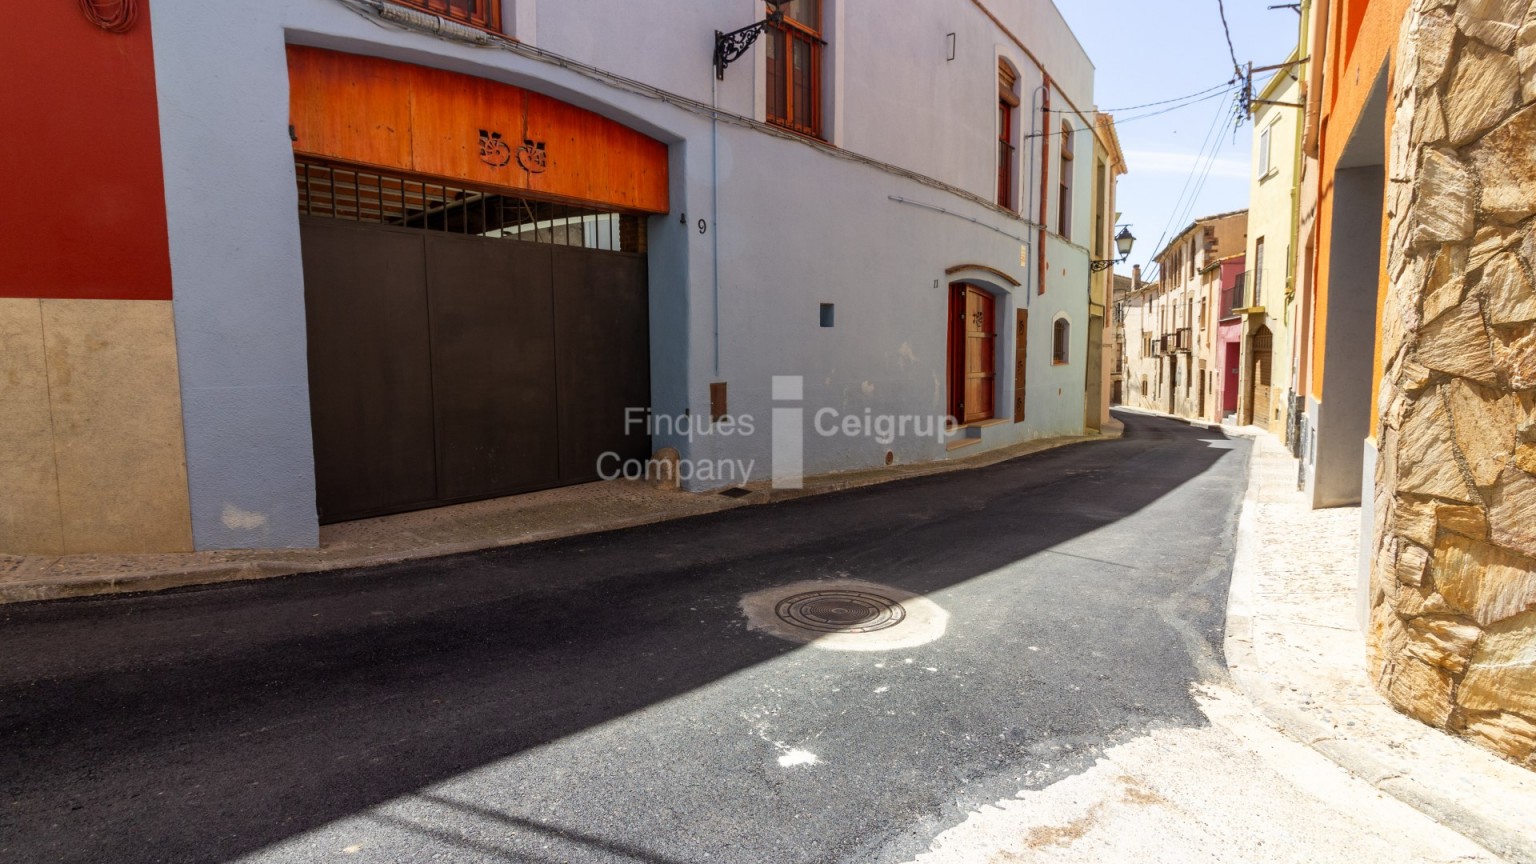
428	121
349	107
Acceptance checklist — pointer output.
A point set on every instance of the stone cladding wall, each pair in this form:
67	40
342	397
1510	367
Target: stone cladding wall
1453	580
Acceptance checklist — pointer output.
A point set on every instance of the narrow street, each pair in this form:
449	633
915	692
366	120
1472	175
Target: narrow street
601	699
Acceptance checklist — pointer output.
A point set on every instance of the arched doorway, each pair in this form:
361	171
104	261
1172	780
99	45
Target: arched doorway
1260	394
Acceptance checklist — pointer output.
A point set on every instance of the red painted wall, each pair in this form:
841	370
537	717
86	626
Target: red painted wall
82	196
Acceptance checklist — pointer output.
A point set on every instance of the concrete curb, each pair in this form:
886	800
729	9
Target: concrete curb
151	580
123	579
1373	762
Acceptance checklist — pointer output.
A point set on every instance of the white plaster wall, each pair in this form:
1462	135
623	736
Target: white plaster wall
791	226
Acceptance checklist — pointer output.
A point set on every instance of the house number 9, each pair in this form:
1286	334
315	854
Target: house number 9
703	226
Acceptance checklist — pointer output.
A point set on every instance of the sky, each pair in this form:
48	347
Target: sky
1151	50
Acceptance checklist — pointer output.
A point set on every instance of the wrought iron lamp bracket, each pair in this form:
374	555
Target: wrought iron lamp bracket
730	46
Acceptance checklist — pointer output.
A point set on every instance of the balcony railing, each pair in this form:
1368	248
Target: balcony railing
1245	293
1235	297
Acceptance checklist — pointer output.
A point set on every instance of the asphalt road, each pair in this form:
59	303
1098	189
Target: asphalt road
601	699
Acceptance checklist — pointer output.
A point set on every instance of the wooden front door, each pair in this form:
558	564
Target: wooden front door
972	353
1020	356
1259	408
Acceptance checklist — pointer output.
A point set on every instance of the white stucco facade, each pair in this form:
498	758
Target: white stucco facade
874	220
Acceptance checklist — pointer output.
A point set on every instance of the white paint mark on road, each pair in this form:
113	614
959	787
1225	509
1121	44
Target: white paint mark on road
796	756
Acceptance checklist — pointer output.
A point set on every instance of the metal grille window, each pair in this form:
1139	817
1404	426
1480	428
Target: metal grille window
361	195
794	49
485	14
1007	101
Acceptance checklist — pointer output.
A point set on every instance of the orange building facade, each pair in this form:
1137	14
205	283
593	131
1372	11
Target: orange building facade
1350	133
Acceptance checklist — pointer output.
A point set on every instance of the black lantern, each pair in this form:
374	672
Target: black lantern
1123	243
730	46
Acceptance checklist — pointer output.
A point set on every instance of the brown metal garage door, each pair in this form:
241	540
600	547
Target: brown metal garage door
467	356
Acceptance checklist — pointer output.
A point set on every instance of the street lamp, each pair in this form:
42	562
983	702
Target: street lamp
730	46
1123	243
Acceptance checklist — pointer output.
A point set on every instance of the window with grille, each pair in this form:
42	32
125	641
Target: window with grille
370	196
485	14
1007	105
1061	337
794	52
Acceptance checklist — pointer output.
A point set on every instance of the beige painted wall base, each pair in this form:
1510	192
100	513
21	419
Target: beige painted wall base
92	457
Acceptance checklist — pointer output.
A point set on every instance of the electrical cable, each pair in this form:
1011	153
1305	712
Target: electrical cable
1221	7
113	16
1220	86
1118	122
1178	206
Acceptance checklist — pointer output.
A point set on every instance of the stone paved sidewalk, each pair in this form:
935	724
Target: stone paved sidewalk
1295	648
547	515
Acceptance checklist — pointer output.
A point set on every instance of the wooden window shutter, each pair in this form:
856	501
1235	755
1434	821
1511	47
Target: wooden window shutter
1006	78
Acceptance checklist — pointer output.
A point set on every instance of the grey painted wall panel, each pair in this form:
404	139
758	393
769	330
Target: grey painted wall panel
1353	276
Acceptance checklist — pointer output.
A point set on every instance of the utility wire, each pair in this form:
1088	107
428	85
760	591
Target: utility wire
1202	158
1121	121
1221	7
1220	86
1194	197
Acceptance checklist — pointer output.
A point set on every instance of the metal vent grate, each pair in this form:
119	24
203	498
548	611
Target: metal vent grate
360	195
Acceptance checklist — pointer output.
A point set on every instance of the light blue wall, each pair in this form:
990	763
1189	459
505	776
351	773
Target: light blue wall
793	225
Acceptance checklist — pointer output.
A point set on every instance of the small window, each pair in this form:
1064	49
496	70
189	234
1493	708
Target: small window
1263	165
485	14
1064	203
828	315
794	68
1061	338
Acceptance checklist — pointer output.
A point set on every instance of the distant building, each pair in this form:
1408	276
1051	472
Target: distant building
1266	375
1171	323
1108	166
1123	287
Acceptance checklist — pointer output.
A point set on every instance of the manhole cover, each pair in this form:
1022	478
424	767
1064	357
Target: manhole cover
840	611
845	615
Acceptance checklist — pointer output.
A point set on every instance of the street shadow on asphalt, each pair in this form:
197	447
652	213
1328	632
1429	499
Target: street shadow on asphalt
202	725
